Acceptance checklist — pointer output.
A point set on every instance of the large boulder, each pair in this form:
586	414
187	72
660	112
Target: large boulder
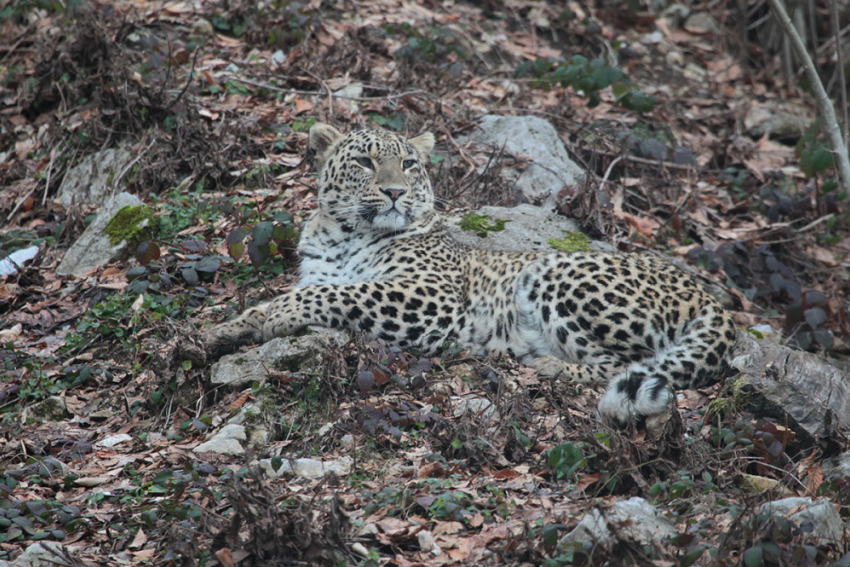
524	228
94	179
805	391
534	138
95	247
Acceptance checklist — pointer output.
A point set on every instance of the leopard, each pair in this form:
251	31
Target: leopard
376	258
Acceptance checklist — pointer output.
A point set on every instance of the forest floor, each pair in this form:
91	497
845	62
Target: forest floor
100	415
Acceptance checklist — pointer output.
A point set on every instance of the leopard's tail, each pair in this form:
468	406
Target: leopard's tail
693	359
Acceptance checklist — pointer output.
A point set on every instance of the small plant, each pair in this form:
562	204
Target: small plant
588	76
566	460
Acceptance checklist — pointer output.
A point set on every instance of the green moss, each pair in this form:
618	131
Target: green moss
732	397
482	224
133	224
571	242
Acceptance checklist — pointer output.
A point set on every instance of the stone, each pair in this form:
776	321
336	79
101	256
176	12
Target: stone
93	248
532	138
51	408
228	441
825	519
310	469
804	391
526	229
14	261
427	542
481	409
244	368
837	468
634	519
675	14
42	554
114	440
700	23
777	119
94	180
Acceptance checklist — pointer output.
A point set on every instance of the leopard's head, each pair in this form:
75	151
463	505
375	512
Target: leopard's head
373	177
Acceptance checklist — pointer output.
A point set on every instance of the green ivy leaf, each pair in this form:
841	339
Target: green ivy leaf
753	556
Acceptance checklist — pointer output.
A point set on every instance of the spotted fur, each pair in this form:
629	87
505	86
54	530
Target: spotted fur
376	260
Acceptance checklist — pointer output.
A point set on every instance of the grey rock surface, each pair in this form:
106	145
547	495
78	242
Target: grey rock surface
837	467
41	554
308	468
804	389
529	230
634	519
827	523
92	249
701	22
92	181
287	352
227	441
777	119
535	138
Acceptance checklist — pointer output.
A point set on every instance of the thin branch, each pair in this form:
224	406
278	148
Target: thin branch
833	9
824	104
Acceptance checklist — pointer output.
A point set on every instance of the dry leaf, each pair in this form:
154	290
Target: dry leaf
139	540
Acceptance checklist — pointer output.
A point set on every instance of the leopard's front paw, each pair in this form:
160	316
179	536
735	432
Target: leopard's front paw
635	399
549	366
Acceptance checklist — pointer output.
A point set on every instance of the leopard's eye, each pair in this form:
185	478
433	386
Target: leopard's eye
365	162
408	163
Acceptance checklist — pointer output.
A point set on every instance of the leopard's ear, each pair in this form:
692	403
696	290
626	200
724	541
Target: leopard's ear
423	144
322	139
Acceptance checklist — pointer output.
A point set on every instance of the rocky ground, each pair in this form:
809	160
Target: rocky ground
153	179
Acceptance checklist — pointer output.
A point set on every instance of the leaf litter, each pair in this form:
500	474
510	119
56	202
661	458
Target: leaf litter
456	460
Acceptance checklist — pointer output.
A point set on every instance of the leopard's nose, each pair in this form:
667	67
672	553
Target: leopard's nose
393	193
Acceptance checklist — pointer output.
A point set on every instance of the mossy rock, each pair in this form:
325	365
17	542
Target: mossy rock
131	224
482	224
571	242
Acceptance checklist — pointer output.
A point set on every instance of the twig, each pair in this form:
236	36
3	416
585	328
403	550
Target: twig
833	9
608	171
19	203
129	165
191	75
47	181
644	161
327	90
839	150
317	93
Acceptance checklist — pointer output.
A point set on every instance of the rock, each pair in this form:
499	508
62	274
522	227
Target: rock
634	519
354	90
346	441
93	248
837	467
798	388
94	179
202	28
826	522
675	14
51	408
281	353
114	440
427	542
308	468
226	442
42	554
14	261
777	119
535	138
526	228
478	408
701	23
